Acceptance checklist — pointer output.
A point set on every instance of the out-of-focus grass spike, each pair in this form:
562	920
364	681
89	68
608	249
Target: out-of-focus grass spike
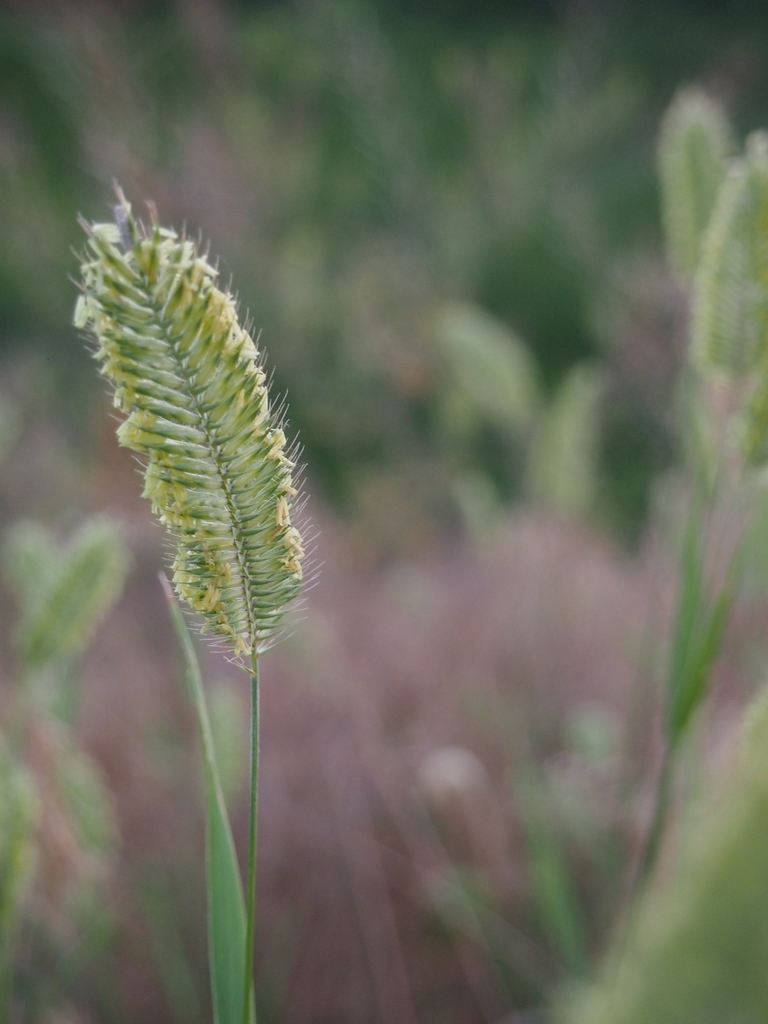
70	591
730	310
84	792
694	147
219	472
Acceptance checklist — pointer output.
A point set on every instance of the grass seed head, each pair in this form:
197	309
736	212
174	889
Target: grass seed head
218	469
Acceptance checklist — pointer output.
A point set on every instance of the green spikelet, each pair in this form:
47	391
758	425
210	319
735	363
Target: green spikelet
694	147
65	591
191	381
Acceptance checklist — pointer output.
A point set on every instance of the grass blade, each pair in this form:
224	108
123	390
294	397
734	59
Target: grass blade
553	890
699	627
226	905
689	609
692	685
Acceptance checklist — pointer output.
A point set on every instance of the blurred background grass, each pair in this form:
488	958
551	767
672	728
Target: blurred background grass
357	166
443	218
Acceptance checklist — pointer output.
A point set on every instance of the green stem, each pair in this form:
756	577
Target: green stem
252	835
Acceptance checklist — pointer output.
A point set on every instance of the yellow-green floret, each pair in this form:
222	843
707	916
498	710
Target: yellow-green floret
189	376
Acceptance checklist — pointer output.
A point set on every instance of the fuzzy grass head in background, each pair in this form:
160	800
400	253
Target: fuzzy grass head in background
218	470
65	589
730	326
695	146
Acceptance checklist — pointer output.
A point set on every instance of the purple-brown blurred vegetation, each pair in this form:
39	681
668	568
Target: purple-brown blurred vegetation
458	733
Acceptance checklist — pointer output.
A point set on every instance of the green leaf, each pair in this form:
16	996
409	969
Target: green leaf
227	724
688	607
692	684
226	904
699	630
553	891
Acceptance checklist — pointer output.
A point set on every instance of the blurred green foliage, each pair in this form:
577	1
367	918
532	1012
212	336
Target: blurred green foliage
64	590
698	948
434	212
362	168
58	828
18	820
493	369
563	463
694	941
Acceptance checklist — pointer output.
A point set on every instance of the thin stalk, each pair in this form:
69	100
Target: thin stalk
252	835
